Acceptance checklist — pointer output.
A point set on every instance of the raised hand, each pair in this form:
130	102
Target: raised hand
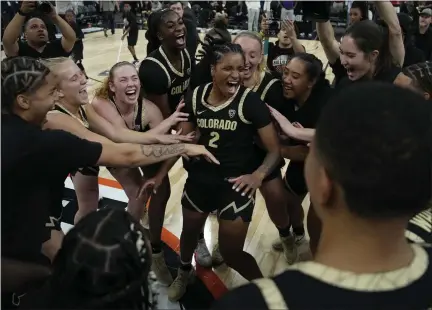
178	116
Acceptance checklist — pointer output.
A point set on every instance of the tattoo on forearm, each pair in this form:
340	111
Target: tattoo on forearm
270	162
156	150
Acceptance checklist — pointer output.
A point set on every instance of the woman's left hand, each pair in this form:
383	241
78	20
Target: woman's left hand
247	184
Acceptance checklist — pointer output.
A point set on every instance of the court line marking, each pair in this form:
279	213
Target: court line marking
213	283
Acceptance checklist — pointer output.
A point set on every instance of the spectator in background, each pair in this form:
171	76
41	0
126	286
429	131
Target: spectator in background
253	15
287	12
108	8
358	12
78	49
130	30
413	55
423	37
156	6
37	44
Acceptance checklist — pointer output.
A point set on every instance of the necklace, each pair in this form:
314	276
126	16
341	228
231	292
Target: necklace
82	119
135	112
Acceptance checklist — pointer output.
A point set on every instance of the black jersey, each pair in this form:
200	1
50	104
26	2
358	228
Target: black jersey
228	132
158	76
310	286
270	90
90	171
139	116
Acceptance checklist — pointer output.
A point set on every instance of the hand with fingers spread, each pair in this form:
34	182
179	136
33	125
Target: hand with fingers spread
150	186
288	27
176	117
283	122
194	150
246	184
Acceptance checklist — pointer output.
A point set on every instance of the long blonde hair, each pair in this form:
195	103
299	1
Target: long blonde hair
104	91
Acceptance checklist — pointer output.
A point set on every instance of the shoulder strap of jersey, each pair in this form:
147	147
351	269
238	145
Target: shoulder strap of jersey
266	89
240	107
271	294
142	115
162	67
188	57
194	99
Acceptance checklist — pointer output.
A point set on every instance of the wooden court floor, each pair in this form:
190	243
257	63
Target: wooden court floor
100	54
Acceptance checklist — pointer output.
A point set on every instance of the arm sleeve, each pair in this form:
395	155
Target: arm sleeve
57	147
188	108
255	111
154	79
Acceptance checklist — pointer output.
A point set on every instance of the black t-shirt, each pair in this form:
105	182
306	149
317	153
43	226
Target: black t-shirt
35	164
52	49
132	22
342	80
158	76
201	74
424	42
228	132
413	55
278	57
310	286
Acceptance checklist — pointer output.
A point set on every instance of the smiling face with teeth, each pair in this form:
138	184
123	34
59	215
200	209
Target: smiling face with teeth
252	49
72	83
125	84
172	31
227	73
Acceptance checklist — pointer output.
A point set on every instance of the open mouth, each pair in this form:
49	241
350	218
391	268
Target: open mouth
180	39
232	87
131	94
83	91
350	72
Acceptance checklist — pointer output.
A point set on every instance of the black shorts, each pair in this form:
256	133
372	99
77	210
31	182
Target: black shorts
208	197
132	38
294	179
88	171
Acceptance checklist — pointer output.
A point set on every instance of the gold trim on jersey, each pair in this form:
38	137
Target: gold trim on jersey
163	68
271	294
179	73
143	115
219	107
266	89
240	107
194	103
83	119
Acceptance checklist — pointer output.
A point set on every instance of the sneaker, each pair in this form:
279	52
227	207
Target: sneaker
160	269
289	249
178	288
202	254
217	258
277	244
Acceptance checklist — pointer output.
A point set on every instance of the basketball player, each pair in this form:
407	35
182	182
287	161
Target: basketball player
117	101
130	30
28	94
120	248
228	117
306	92
70	115
272	188
165	76
364	191
365	52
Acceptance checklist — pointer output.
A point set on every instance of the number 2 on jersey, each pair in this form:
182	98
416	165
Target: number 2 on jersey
215	137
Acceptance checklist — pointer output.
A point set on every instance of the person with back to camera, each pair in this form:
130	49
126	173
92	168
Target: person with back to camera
36	34
35	164
364	190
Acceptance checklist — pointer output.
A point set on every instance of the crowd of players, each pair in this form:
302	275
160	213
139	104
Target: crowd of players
361	148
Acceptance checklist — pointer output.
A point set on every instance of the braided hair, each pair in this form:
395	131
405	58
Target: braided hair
219	51
103	264
153	23
20	75
421	74
314	68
